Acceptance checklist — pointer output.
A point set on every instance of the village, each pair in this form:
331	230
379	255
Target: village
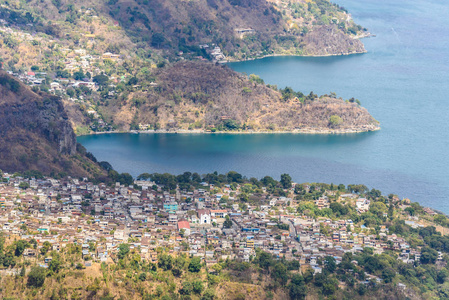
198	223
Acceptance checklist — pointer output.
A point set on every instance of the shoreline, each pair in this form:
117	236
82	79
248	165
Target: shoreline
201	131
368	35
288	55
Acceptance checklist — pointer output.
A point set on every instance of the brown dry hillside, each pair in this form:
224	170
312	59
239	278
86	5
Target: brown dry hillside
196	95
35	133
295	27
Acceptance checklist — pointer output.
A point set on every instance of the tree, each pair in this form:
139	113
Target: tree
24	185
36	277
55	264
358	188
195	265
338	209
287	93
335	120
374	194
45	247
428	255
286	181
388	274
70	92
62	74
105	165
186	288
179	265
297	291
143	176
279	273
269	181
330	264
378	209
78	75
234	177
176	272
441	220
231	124
208	295
143	276
132	81
123	251
20	247
442	275
265	260
157	39
198	287
101	80
125	179
165	262
308	275
330	286
227	223
256	78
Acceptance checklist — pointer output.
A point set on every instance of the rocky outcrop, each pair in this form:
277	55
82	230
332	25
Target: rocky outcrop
35	133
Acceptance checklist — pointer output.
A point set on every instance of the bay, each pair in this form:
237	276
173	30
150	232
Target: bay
402	81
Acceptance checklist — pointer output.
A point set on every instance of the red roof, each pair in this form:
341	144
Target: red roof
183	225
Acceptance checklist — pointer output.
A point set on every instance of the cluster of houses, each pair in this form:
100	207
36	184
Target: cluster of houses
215	52
198	223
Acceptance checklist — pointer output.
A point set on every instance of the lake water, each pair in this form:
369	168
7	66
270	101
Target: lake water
403	81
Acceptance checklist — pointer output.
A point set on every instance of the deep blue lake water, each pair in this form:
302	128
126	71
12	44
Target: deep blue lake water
403	81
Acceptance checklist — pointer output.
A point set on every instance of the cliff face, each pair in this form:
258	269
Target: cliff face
193	95
35	133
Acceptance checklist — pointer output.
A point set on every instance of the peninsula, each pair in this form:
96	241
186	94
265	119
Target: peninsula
135	65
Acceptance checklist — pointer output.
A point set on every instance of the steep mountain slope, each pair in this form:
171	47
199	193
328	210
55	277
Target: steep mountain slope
241	28
36	135
195	95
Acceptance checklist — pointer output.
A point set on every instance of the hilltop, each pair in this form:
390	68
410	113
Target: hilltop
205	96
36	133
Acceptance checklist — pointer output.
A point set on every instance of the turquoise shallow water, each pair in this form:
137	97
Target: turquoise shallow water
403	81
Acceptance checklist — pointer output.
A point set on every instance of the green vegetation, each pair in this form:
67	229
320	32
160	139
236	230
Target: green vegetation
335	120
36	277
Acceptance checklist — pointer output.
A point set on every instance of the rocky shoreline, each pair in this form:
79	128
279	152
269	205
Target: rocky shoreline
367	128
